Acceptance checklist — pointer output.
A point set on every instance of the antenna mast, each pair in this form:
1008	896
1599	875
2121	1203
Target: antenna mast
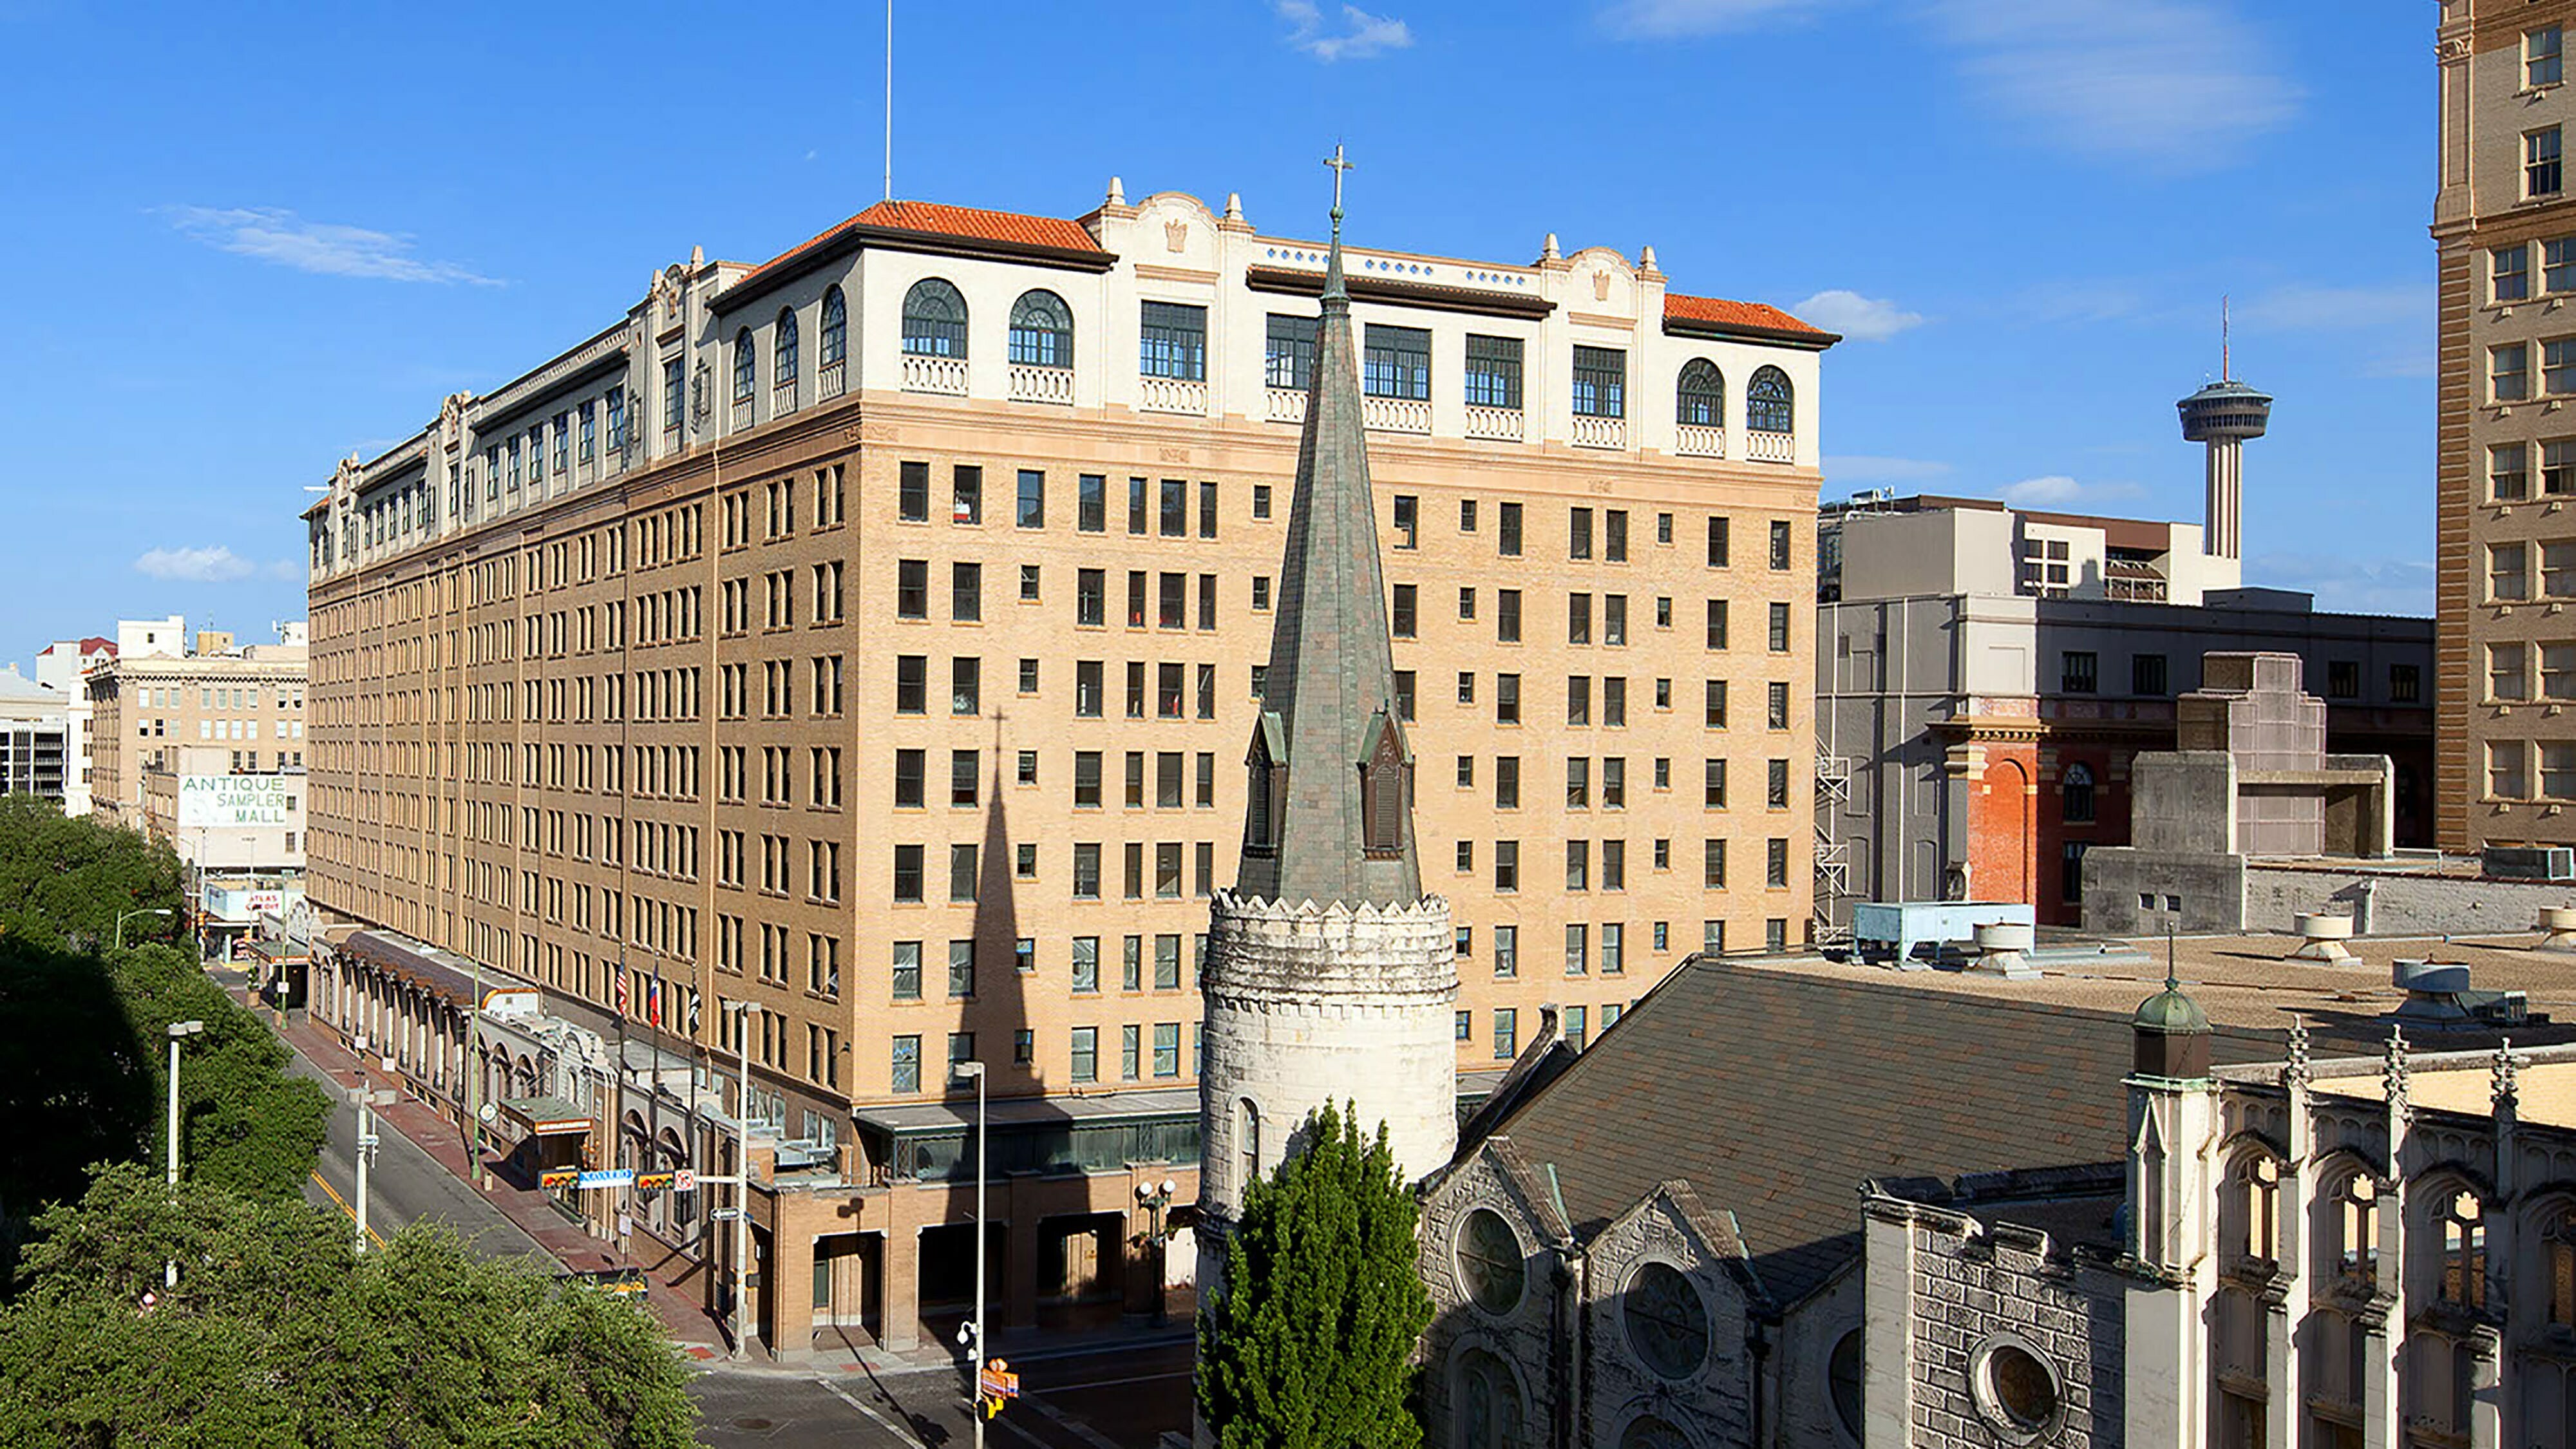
2224	342
889	102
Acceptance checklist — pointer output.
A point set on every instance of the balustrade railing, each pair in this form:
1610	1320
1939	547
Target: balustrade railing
934	374
1762	447
1030	383
1699	440
782	400
1594	432
1287	405
743	414
831	381
1497	425
1395	414
1172	395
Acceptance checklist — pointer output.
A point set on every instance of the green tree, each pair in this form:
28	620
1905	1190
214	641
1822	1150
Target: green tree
244	1123
1310	1344
63	882
279	1333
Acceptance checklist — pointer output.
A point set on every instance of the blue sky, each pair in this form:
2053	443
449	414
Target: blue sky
248	240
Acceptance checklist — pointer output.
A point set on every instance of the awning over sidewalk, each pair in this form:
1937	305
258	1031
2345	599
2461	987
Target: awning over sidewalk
546	1116
449	977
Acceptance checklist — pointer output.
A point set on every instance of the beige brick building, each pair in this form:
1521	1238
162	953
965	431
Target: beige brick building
143	707
869	639
2504	225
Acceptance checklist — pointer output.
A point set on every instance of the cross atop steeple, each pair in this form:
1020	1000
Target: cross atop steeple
1339	166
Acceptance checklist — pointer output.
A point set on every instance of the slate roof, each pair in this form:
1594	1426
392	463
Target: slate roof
1775	1094
1743	316
1332	665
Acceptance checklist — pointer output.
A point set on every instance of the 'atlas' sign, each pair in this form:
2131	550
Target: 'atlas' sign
229	802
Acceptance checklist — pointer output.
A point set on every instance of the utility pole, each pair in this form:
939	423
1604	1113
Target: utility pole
742	1180
975	1070
178	1031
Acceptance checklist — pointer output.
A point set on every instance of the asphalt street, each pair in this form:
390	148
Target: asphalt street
1118	1398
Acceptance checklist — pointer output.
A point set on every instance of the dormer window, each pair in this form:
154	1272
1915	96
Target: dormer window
1263	789
1383	789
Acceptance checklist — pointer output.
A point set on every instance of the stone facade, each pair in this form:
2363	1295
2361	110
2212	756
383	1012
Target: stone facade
1640	1332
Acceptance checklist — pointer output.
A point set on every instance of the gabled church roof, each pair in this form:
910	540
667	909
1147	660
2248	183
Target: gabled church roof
1332	667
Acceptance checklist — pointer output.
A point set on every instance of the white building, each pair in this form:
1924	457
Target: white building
64	666
34	737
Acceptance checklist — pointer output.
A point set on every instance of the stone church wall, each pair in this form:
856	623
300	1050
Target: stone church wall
1711	1406
1802	1413
1524	1337
1981	1294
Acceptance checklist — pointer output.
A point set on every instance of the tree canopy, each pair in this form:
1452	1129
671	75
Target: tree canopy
65	880
1310	1343
278	1332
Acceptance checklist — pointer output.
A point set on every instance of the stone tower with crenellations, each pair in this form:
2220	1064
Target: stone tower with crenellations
1331	976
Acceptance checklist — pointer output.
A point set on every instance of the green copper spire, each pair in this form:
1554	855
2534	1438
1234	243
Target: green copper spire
1331	812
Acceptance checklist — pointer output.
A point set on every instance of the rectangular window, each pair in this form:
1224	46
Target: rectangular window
967	497
907	1064
1614	948
2147	675
961	969
1779	631
1507	950
1401	618
1614	535
1396	362
2508	770
1088	688
2541	174
2509	472
908	779
2509	273
966	592
907	970
2558	772
1091	504
912	493
962	874
1712	864
1507	1039
1717	623
1507	532
1776	784
1086	872
1600	382
911	683
1288	353
1467	603
1780	544
965	685
2542	57
2508	571
1578	865
1172	341
1260	500
964	777
2506	679
1507	865
2509	372
2406	683
1719	542
1086	1054
1090	597
1032	509
1172	601
2558	366
1578	699
675	394
1777	700
1713	784
2558	257
1493	372
2079	671
2558	465
1507	699
1139	506
1578	949
1207	513
1130	1052
1507	615
1408	521
907	874
1775	864
1507	782
2343	679
912	588
1175	512
1167	1048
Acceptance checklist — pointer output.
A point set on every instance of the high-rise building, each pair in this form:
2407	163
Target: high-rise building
871	638
2504	228
35	737
63	666
145	703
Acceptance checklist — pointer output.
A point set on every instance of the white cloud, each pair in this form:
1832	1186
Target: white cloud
1862	319
214	565
2181	83
1862	468
2057	490
2347	585
1366	35
271	234
1651	19
2320	309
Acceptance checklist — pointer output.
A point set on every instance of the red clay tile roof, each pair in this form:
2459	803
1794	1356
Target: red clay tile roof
91	645
1717	311
1010	227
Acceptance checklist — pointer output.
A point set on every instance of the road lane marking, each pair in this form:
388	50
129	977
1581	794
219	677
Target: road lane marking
1113	1383
346	1210
880	1420
1068	1423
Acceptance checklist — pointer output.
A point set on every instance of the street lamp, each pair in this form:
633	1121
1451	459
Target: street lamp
367	1101
178	1031
964	1071
1156	1199
130	915
742	1178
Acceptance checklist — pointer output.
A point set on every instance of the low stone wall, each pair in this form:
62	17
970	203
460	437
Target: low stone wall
2396	903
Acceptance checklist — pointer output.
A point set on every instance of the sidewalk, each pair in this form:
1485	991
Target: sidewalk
670	1278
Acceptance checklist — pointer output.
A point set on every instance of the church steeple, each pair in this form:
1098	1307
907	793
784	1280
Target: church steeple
1330	816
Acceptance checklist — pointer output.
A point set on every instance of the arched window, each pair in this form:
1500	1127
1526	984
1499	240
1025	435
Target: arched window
1489	1404
2250	1212
783	350
1041	330
2464	1249
1247	1136
1651	1433
2558	1249
2078	788
836	327
746	366
934	319
2352	1236
1767	402
1702	395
